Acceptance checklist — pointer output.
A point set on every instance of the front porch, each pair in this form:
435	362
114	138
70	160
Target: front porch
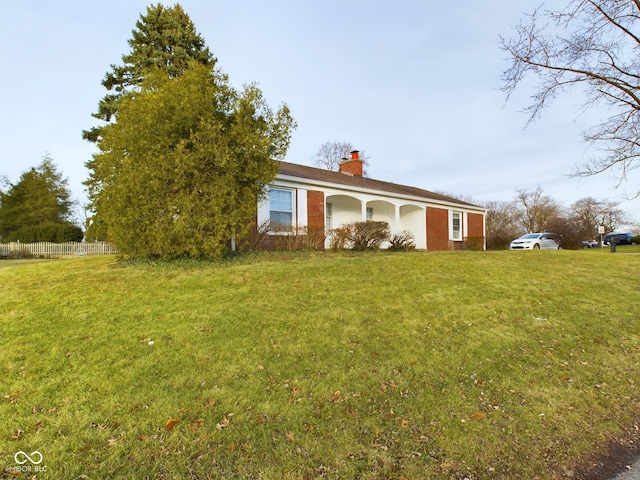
341	209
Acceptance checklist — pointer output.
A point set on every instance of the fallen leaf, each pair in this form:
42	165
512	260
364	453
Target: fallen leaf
477	416
112	441
261	418
336	397
404	423
211	403
291	436
172	422
223	424
198	424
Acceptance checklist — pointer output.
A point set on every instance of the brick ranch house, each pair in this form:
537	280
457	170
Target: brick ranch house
305	198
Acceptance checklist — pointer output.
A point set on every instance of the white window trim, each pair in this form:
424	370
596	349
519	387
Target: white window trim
293	208
463	225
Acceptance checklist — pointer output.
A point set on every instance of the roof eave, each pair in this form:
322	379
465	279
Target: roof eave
350	188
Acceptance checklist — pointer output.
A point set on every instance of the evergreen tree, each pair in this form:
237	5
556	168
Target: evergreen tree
180	172
165	39
38	208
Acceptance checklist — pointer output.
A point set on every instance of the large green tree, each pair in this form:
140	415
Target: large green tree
183	157
180	172
38	208
165	39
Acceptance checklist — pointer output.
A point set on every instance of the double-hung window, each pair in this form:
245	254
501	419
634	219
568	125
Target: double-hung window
456	225
280	209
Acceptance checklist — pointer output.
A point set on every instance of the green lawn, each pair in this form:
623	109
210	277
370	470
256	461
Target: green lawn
498	365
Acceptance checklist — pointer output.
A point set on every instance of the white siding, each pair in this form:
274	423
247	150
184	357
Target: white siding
263	211
301	207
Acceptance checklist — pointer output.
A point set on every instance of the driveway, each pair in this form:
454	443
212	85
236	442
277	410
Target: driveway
632	472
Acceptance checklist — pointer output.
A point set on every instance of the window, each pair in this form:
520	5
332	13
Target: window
369	213
280	208
328	216
456	225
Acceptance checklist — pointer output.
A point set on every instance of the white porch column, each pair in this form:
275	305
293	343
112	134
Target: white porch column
422	243
396	227
364	210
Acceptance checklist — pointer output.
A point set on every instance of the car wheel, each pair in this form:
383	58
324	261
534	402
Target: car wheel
536	246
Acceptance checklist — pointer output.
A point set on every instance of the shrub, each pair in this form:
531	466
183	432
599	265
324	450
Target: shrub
635	239
474	243
255	238
18	254
285	238
402	242
360	236
500	242
301	238
340	238
49	232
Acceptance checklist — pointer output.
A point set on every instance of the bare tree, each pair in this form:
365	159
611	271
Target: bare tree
590	213
331	154
587	211
570	230
592	44
612	217
501	224
536	210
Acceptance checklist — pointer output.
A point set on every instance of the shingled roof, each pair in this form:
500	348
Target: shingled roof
321	175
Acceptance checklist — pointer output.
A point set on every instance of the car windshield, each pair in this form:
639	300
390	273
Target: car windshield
530	235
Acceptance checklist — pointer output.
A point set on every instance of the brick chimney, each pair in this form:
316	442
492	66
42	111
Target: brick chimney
353	165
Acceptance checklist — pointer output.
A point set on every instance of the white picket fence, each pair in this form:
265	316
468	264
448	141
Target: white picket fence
55	250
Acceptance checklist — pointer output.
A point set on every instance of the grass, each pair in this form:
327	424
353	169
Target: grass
481	365
619	249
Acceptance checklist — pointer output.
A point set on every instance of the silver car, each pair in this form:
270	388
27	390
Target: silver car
536	241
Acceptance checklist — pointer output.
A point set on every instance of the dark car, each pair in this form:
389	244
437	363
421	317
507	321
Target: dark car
618	239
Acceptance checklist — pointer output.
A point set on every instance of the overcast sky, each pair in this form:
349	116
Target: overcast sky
415	84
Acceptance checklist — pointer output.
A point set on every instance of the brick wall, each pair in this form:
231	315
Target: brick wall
315	218
438	229
475	225
352	167
315	209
